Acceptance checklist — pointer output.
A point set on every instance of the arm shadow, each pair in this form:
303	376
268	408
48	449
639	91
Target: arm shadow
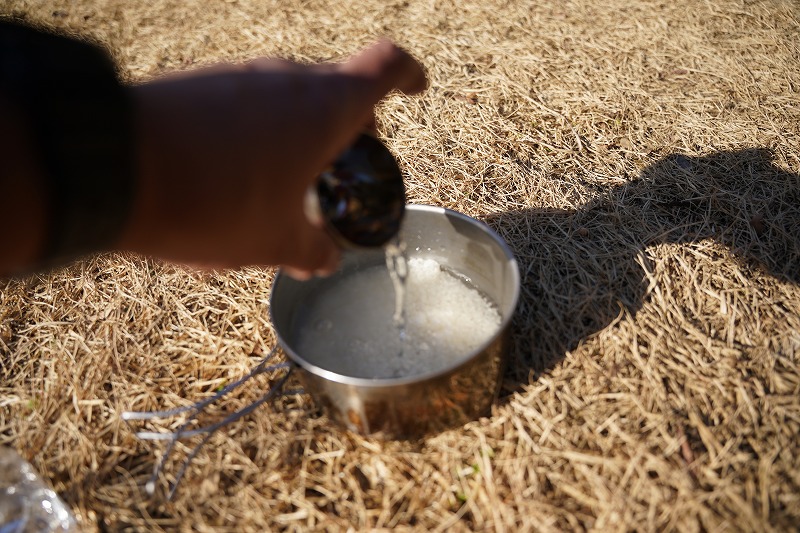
582	268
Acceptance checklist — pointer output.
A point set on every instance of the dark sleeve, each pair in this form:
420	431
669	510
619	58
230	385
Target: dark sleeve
81	118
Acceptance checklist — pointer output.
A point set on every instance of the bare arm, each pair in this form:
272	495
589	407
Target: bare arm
221	160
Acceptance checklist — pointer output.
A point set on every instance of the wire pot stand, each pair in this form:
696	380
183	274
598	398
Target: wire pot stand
194	410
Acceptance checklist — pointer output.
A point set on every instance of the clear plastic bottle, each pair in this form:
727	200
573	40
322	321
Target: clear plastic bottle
27	504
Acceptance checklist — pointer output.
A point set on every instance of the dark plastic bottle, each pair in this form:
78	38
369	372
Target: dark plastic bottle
361	196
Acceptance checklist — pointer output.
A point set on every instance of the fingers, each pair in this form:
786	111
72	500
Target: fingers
370	74
356	87
385	67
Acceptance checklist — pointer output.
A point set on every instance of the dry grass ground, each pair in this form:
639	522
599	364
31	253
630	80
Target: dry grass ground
642	159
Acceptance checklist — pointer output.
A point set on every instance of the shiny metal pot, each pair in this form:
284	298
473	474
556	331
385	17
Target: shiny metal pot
409	407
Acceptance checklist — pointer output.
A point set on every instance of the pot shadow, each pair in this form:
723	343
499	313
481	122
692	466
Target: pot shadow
581	268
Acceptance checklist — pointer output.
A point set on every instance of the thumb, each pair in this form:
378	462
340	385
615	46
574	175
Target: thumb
318	255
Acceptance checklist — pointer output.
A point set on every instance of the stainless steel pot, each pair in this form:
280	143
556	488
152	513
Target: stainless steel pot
409	407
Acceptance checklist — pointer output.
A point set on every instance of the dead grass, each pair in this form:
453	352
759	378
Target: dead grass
641	158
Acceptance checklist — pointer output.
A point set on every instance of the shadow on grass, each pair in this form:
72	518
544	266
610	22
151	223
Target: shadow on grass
580	269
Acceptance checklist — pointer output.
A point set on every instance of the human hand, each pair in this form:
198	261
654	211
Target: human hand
227	153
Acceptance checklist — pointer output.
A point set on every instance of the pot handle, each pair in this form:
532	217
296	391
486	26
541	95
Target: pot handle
275	389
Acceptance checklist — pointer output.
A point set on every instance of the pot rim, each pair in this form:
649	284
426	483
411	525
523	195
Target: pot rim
416	378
